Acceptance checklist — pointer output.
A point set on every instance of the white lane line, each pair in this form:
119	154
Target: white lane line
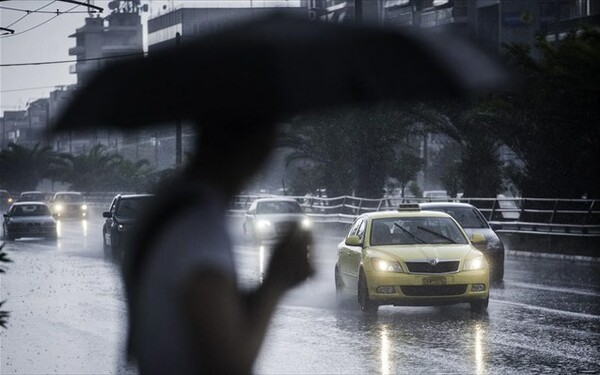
552	289
546	309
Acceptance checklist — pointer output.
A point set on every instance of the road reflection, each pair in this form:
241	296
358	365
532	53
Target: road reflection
408	339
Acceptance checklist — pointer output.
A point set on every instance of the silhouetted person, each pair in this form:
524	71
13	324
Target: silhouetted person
187	313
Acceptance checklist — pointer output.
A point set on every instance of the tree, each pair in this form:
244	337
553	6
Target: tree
405	167
351	150
550	119
100	170
23	168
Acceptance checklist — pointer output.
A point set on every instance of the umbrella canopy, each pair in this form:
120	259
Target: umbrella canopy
275	66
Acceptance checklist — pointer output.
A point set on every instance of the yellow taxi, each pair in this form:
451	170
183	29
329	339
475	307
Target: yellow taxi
410	257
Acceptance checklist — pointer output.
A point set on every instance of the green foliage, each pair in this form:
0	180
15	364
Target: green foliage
550	120
100	170
23	168
354	151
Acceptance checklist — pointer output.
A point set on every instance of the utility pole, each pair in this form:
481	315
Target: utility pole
178	145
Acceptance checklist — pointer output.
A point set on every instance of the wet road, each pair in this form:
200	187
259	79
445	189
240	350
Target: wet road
67	316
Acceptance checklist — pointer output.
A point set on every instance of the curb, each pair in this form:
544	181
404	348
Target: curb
571	258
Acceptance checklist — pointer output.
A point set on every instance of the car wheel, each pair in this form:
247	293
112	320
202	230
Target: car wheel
480	305
365	303
499	272
339	284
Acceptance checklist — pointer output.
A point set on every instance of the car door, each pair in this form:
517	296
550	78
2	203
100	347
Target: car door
349	257
108	223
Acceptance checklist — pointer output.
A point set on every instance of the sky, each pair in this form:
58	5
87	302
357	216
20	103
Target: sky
42	37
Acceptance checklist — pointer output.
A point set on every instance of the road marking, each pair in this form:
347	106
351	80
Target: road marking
552	289
546	309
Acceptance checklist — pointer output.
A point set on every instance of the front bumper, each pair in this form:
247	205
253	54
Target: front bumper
405	289
32	231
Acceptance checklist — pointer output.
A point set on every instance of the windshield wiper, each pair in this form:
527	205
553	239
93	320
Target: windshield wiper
436	234
409	233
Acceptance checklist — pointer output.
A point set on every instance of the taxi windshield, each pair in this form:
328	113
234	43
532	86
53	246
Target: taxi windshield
415	230
70	198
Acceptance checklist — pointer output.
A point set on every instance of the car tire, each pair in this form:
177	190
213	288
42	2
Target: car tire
499	272
480	305
339	284
365	303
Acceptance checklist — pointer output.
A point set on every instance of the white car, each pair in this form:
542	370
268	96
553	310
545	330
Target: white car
270	218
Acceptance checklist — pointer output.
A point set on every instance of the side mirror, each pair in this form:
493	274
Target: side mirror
353	241
477	238
107	214
6	215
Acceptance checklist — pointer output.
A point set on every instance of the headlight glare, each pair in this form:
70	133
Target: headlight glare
84	207
474	264
59	207
306	224
383	265
263	224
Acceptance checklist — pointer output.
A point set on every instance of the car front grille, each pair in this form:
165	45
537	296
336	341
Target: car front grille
431	291
425	267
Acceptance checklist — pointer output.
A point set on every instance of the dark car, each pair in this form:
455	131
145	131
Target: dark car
472	220
69	204
5	200
29	219
120	219
32	196
269	218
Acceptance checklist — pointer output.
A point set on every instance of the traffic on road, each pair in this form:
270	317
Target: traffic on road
68	316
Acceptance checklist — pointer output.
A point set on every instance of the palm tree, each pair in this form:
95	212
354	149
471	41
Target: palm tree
23	168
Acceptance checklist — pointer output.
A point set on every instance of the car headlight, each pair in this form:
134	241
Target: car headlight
386	265
263	224
84	207
59	208
477	263
10	200
306	223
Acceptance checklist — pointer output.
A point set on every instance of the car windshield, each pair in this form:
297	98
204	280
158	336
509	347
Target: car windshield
32	197
30	210
129	207
415	230
69	197
278	207
467	217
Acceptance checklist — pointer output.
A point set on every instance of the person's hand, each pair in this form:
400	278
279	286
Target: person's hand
290	260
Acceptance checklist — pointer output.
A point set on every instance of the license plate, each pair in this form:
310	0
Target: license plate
436	280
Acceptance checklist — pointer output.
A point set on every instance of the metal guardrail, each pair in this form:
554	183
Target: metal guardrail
571	217
576	217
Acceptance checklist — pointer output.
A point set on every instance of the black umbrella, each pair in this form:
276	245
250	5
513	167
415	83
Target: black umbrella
274	66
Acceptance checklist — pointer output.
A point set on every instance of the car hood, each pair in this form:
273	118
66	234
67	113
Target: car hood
423	252
32	219
125	220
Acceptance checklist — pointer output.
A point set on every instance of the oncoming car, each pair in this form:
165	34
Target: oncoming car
5	200
269	218
32	196
411	257
29	219
69	204
473	221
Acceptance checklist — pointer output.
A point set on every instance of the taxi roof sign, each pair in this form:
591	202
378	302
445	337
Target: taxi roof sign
409	207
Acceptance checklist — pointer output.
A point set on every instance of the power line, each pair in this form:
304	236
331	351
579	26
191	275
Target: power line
32	88
70	61
28	13
48	11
